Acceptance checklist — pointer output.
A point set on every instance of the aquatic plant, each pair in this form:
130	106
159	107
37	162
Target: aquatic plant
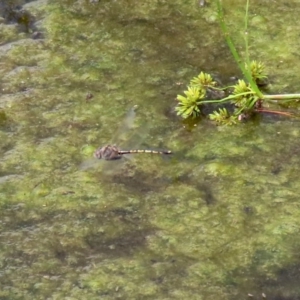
189	105
245	98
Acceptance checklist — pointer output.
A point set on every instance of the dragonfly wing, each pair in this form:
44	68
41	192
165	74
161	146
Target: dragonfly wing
89	163
110	167
127	137
125	127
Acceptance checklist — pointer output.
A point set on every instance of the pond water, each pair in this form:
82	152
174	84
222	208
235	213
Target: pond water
217	220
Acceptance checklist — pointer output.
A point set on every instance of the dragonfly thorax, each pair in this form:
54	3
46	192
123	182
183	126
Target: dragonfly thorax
107	152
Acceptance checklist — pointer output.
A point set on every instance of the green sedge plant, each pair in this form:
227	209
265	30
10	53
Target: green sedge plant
245	96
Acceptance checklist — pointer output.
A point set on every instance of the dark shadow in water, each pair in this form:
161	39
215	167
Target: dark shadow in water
142	182
123	245
287	283
14	14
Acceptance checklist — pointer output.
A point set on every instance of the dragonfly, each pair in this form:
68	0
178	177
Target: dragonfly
111	152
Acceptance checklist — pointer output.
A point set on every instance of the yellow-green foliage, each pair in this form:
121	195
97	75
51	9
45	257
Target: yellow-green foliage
189	105
257	70
203	80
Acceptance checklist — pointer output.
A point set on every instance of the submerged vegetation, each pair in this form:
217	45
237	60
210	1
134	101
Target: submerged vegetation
238	102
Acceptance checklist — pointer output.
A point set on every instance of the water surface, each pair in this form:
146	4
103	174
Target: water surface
219	220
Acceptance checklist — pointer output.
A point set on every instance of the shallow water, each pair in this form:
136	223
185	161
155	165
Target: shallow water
219	220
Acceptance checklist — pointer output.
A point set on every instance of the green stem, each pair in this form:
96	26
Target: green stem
281	97
247	60
233	50
227	98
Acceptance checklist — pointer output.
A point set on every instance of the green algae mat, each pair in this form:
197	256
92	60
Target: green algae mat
219	219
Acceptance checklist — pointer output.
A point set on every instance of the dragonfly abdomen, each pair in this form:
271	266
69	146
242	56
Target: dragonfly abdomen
144	151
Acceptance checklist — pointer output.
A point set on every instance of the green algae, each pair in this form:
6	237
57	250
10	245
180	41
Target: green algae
218	220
